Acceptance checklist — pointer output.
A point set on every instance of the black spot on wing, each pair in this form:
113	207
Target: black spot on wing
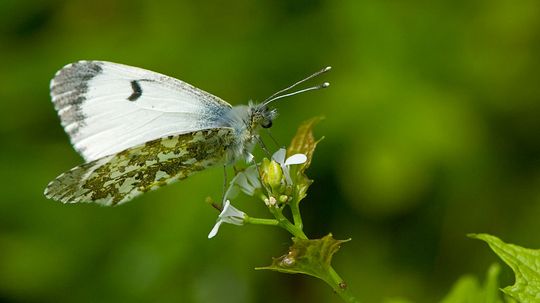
137	91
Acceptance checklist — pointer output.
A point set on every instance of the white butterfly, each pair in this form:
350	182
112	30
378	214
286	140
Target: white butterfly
139	130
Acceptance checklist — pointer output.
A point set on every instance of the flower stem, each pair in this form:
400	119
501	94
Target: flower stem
340	287
297	232
297	217
261	221
286	224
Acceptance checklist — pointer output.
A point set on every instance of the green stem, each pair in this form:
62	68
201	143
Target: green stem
286	224
340	287
297	217
260	221
297	232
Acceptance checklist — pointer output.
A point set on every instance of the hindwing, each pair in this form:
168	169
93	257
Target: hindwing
120	177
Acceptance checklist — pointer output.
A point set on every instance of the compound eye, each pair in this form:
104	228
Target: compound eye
267	124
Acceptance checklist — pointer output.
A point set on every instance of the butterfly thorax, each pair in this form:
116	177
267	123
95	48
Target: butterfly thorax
247	120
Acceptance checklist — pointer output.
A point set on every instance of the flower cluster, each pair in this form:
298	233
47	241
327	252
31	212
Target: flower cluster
270	181
281	183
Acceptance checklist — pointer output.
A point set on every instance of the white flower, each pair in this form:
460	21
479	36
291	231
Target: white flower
247	181
279	157
230	215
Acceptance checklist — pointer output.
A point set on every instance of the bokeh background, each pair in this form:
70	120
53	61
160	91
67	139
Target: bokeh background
432	131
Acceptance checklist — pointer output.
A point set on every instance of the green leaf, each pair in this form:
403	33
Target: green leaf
468	290
310	257
303	143
524	262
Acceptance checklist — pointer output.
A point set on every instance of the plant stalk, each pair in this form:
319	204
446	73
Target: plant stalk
297	217
261	221
340	287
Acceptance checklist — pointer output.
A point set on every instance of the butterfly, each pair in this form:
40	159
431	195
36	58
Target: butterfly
139	130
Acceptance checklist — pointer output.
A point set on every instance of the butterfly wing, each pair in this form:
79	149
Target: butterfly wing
107	107
118	178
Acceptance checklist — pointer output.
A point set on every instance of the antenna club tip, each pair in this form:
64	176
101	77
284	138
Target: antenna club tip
327	68
325	85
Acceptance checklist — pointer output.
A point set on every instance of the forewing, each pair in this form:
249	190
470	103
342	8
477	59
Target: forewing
118	178
107	107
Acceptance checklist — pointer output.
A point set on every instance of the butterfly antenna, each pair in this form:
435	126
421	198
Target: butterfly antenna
324	85
276	96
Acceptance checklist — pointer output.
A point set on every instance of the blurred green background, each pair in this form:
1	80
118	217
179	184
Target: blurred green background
432	131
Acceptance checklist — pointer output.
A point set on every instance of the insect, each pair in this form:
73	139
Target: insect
139	130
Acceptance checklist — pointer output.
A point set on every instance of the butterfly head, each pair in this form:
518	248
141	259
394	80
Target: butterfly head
262	116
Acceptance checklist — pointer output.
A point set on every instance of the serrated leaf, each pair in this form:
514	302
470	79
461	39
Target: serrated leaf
310	257
468	290
524	262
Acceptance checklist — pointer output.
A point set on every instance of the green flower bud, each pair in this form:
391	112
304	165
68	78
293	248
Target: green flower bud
272	175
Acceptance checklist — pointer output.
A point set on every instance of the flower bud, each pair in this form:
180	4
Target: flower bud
272	175
270	202
283	198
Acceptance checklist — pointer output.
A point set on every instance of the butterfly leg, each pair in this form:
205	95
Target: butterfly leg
272	137
263	146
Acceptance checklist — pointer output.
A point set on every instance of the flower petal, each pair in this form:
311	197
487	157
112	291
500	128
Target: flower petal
249	158
231	215
296	159
231	191
252	175
215	229
243	183
279	156
226	206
